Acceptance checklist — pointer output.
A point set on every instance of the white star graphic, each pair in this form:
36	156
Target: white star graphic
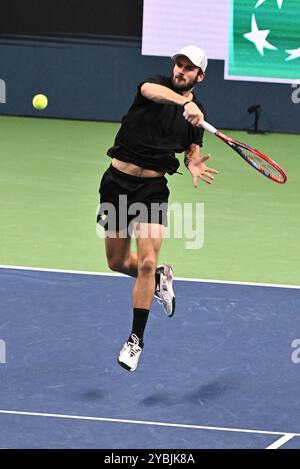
259	38
294	54
260	2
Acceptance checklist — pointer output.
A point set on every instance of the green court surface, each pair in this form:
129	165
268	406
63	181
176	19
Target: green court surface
50	172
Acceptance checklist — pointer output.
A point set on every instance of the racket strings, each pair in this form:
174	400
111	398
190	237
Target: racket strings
259	163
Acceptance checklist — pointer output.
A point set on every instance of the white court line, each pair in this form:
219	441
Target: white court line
144	422
184	279
284	439
62	271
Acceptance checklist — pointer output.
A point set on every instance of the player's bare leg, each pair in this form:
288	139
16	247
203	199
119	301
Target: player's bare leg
142	265
148	239
120	258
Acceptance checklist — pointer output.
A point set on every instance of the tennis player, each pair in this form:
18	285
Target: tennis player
165	118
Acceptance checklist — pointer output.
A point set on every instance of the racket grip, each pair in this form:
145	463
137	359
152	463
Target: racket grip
209	128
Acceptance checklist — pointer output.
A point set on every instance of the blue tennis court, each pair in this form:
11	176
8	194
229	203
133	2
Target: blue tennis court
219	374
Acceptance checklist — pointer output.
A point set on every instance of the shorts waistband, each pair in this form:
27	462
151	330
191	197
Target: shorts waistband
130	177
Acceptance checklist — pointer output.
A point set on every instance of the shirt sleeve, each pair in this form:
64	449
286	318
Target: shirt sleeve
198	135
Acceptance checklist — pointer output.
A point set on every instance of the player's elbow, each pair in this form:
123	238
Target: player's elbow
147	90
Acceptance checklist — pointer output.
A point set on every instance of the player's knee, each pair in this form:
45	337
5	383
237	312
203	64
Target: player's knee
115	264
147	266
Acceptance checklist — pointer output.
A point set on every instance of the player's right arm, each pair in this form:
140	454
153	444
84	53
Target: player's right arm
164	95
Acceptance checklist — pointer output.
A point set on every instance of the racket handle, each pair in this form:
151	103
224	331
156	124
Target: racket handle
209	128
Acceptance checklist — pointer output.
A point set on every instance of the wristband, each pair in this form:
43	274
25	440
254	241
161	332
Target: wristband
187	102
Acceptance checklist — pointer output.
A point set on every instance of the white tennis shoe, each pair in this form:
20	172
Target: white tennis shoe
164	288
130	353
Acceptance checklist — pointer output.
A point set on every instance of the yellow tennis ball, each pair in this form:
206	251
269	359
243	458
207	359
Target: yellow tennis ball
40	101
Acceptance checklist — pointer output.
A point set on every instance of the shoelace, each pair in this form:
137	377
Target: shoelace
134	346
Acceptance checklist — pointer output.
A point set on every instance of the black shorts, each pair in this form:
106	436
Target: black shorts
125	199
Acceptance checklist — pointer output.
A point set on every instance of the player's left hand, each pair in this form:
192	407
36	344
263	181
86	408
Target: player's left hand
198	169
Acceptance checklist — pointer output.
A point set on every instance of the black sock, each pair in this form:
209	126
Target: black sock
140	317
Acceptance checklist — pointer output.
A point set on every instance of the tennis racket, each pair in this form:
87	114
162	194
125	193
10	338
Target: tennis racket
255	158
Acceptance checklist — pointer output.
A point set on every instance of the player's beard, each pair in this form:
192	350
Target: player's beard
185	86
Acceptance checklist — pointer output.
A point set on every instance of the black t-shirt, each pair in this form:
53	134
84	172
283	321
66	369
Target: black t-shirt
151	133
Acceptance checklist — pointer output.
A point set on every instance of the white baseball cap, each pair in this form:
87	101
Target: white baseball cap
196	55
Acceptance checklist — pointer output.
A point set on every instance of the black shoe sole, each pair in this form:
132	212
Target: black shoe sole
123	365
173	307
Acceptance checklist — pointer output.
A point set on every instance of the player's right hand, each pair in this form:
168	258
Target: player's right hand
193	114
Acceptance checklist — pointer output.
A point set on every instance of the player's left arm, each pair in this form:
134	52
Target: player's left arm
195	163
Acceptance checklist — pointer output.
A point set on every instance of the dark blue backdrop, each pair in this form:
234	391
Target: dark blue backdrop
93	79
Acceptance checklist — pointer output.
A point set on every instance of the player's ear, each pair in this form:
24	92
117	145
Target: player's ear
200	77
